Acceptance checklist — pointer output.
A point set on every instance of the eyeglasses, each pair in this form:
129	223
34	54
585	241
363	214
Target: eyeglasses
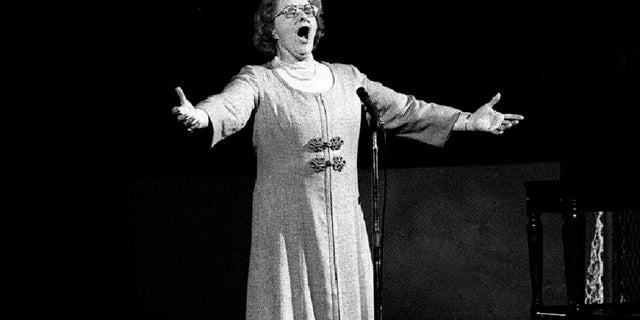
292	11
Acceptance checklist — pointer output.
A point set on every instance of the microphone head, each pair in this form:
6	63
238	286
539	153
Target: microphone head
361	92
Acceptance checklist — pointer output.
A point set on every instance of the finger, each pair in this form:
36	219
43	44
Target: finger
508	124
183	98
186	120
513	116
494	100
191	126
178	111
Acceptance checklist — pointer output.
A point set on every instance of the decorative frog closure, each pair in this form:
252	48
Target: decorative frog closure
321	164
317	145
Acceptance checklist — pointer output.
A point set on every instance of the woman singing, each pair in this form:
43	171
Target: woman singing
310	255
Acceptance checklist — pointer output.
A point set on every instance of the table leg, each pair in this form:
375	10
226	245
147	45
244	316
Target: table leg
573	238
534	238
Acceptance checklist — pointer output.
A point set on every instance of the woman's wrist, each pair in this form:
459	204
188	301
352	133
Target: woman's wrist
463	122
467	123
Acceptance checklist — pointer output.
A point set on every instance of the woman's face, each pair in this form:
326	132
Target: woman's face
295	33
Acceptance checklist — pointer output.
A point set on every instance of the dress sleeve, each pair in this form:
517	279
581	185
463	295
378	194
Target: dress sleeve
230	110
408	117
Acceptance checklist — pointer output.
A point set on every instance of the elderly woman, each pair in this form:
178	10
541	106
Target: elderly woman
310	255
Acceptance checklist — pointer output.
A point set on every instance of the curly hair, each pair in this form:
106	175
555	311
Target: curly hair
263	20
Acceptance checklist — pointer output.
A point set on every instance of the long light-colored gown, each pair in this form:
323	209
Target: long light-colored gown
310	255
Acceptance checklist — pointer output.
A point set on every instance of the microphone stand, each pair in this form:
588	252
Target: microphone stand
375	125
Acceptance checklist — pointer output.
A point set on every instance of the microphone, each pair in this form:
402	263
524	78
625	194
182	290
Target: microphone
369	107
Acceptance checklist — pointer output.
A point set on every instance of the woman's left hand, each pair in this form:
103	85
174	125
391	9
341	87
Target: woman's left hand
489	120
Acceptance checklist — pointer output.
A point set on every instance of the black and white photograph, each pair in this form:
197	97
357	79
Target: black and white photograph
326	160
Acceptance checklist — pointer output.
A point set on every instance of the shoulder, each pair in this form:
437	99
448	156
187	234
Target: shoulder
344	70
255	70
254	74
342	67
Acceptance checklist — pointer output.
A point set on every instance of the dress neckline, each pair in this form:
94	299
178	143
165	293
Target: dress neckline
290	69
286	84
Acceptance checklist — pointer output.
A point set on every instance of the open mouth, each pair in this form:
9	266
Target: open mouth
303	33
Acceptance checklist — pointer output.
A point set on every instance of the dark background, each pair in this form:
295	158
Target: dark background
98	78
571	69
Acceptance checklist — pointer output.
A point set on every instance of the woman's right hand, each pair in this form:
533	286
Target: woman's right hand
190	117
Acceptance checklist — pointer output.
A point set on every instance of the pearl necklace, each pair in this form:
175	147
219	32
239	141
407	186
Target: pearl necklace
302	72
